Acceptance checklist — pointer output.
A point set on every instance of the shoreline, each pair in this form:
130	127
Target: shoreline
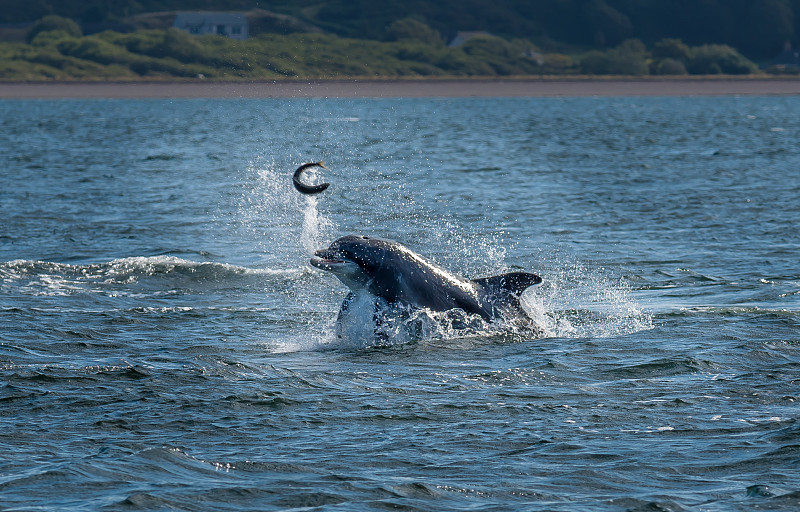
404	88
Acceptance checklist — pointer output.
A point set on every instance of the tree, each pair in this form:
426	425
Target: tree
608	26
670	67
51	23
671	49
713	59
765	26
410	29
629	58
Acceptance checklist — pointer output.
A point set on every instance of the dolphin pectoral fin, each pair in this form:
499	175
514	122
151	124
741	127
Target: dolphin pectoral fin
343	311
348	300
514	282
308	189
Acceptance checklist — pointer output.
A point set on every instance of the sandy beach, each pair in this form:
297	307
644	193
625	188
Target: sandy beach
403	88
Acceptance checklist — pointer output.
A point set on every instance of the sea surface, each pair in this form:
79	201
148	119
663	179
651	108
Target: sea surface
165	345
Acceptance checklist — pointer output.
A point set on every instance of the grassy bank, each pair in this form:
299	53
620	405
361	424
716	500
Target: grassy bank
58	55
62	54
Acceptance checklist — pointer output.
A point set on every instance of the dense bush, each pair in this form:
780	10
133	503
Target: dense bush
756	28
95	50
556	63
713	59
669	57
410	29
456	62
517	57
53	23
52	64
169	67
629	58
50	38
163	53
492	51
670	67
672	49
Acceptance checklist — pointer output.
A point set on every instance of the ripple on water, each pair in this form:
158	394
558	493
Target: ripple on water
164	345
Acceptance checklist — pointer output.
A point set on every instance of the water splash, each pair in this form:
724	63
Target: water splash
285	226
576	301
315	226
372	322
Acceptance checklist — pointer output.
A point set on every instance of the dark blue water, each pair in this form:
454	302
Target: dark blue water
164	344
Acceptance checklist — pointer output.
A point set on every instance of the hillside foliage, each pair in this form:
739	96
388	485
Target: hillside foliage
58	51
60	54
758	29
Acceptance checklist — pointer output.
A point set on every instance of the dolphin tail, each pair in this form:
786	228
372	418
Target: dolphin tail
501	294
513	282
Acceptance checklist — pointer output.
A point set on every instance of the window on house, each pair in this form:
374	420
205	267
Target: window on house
236	29
221	29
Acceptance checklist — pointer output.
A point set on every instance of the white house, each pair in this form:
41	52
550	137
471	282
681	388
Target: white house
230	24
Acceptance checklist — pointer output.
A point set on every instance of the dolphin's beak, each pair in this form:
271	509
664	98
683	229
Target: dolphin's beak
326	260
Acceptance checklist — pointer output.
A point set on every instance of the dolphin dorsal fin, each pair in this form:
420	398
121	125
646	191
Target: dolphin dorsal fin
514	282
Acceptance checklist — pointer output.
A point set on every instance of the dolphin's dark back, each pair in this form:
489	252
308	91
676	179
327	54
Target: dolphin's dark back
404	276
401	276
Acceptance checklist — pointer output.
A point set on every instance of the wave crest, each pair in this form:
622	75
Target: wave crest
167	272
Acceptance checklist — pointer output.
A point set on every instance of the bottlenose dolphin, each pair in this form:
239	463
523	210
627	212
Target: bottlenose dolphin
397	276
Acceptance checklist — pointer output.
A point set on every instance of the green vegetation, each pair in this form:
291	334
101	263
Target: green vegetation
758	29
404	46
60	54
53	23
669	57
629	58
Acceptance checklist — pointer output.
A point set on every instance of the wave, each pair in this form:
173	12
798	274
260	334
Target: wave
126	267
734	311
35	277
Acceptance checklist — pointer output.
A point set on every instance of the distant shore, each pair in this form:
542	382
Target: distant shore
405	88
